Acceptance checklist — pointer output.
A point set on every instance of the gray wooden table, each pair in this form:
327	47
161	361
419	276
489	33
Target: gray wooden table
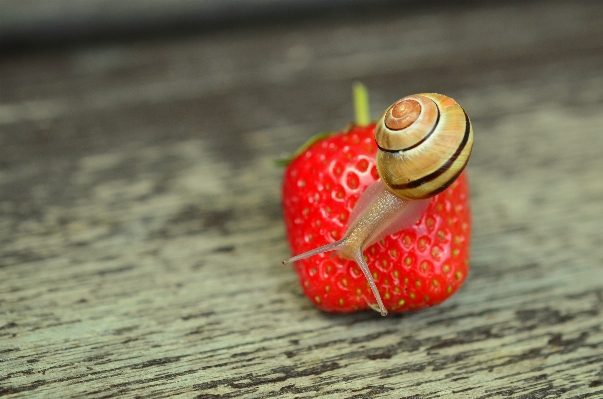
141	232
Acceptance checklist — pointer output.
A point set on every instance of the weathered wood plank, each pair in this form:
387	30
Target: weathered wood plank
141	234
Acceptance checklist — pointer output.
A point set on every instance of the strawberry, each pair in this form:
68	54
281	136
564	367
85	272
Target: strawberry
417	267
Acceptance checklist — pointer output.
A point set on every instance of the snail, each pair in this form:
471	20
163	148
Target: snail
424	142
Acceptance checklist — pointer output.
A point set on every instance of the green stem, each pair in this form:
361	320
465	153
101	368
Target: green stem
363	118
361	105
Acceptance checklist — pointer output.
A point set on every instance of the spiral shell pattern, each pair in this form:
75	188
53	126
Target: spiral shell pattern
424	144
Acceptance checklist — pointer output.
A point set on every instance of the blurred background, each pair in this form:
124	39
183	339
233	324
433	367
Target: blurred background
30	22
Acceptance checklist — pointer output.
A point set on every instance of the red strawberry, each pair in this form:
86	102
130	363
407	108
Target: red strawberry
417	267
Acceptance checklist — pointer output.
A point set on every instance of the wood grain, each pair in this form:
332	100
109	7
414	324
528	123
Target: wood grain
141	233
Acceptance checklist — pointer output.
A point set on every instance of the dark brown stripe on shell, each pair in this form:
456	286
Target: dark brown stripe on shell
442	169
420	142
450	181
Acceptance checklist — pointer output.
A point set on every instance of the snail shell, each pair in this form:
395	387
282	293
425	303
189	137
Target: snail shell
424	144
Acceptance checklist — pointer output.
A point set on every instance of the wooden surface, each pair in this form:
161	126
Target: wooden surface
141	233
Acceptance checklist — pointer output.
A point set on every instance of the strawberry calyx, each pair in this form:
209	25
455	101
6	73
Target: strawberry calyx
283	162
362	119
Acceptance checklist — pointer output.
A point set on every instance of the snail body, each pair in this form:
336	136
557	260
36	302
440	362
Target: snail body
424	142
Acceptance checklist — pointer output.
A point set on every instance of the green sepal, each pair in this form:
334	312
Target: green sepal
363	118
283	162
